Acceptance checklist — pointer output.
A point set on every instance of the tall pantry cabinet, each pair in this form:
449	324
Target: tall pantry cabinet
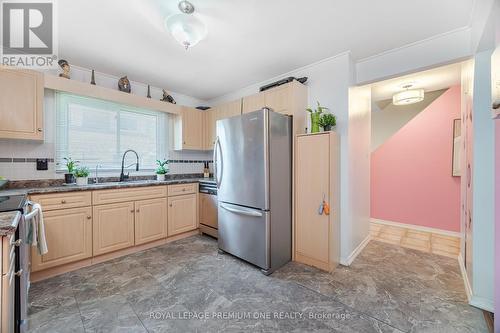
316	179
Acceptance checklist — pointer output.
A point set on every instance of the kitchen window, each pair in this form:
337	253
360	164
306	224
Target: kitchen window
97	132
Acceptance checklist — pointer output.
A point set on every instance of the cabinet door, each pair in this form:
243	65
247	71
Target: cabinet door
312	183
113	227
279	99
69	238
229	109
208	210
192	131
253	103
210	119
7	306
150	220
182	214
21	104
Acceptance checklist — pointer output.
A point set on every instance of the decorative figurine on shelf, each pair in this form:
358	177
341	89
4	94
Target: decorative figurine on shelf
65	67
167	98
92	78
149	92
124	84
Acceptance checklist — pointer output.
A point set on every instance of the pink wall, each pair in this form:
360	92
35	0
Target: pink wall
497	226
411	178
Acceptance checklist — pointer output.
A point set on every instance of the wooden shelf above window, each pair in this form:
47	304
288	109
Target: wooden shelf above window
85	89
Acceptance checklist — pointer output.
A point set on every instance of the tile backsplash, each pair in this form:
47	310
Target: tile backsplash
23	168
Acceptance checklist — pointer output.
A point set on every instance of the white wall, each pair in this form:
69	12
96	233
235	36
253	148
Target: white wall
20	149
356	227
483	175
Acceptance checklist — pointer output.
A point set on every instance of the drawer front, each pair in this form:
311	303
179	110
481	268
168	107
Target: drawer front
8	250
182	189
63	200
102	197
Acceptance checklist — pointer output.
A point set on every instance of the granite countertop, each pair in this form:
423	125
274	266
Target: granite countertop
100	186
9	222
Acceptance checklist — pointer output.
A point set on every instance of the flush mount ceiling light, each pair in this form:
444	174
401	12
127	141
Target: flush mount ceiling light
186	29
408	96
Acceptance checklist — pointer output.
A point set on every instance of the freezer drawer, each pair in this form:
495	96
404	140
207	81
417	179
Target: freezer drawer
243	232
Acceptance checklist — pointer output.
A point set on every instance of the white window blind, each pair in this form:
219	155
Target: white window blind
93	132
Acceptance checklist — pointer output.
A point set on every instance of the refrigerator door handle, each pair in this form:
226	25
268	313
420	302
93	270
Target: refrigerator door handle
215	161
241	211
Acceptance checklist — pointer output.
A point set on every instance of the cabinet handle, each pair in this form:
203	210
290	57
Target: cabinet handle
137	210
170	205
18	242
18	273
132	211
63	201
183	190
39	129
89	217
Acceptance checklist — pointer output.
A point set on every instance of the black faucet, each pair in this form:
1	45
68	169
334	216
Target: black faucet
122	175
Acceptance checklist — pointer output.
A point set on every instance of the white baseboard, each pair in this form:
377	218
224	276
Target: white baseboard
418	228
478	302
348	261
468	289
482	303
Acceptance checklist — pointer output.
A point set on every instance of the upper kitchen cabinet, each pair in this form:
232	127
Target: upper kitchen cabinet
290	99
21	104
189	129
253	102
226	110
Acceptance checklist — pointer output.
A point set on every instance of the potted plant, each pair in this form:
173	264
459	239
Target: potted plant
69	177
327	121
315	115
161	170
82	175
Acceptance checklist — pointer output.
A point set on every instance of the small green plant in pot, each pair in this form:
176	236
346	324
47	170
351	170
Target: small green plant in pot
161	170
82	175
315	116
69	177
327	121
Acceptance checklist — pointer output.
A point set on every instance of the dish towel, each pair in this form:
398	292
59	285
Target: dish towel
36	231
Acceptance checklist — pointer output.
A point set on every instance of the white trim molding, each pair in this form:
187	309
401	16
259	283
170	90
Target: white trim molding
479	302
348	261
418	228
468	289
482	303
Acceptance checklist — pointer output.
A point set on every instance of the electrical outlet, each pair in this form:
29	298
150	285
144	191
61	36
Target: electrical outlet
42	164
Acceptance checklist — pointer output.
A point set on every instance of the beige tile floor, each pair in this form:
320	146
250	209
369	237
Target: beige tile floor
448	246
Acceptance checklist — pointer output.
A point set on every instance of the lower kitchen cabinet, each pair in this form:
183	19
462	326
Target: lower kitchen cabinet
113	227
69	237
150	220
182	214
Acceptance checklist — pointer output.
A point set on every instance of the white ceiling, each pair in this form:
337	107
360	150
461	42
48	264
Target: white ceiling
430	80
248	40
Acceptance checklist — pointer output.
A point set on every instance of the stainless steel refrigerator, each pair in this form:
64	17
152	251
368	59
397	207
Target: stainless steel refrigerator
253	172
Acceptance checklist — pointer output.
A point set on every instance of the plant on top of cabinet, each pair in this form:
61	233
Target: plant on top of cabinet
69	177
315	115
161	170
327	121
82	175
